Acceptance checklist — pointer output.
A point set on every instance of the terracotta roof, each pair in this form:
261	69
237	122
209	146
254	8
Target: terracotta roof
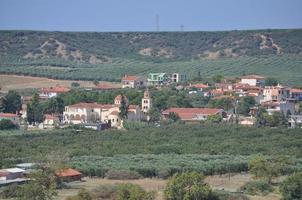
270	103
224	97
8	115
92	105
56	89
294	90
3	173
191	113
114	113
253	76
130	78
49	117
68	173
199	86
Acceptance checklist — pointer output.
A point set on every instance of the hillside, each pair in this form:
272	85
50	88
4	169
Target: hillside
107	56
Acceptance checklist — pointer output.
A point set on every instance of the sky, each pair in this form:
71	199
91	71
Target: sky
140	15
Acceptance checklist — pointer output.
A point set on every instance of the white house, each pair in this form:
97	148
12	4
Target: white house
253	80
52	91
82	113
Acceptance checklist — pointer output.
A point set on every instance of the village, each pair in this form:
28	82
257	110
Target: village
252	92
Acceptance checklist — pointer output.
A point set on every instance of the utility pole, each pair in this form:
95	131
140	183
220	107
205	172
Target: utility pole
157	22
182	27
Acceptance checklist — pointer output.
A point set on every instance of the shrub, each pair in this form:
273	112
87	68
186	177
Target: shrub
6	124
130	191
291	187
104	192
122	175
188	186
257	188
82	195
10	191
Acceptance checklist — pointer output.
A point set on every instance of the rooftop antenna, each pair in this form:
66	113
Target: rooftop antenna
157	22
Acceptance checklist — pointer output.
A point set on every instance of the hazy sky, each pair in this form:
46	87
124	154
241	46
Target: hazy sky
140	15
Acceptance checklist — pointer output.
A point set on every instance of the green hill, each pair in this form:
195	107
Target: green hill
107	56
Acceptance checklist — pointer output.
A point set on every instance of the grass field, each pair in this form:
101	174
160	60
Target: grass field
15	82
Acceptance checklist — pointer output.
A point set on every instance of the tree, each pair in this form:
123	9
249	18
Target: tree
11	103
245	104
225	103
217	78
75	84
41	187
267	169
214	119
96	82
173	117
6	124
35	110
154	115
54	106
188	186
128	191
123	108
270	81
291	187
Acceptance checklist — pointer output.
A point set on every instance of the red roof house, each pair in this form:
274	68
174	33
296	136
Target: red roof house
69	175
192	114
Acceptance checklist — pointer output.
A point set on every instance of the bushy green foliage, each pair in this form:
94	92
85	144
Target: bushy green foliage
267	168
82	195
128	191
188	186
122	175
257	188
6	124
11	102
175	138
41	186
291	187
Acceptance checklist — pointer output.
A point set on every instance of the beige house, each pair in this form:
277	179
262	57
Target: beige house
275	93
133	81
81	113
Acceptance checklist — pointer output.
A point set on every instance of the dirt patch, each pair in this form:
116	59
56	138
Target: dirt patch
15	82
218	182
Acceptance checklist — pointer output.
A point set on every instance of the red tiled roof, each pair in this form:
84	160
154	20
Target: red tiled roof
68	173
92	105
294	90
253	76
49	116
3	173
129	78
199	86
56	89
114	113
191	113
8	115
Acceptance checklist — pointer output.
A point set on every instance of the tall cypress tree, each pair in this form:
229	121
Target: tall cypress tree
123	108
35	111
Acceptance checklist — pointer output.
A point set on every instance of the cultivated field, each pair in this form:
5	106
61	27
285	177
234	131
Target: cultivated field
15	82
